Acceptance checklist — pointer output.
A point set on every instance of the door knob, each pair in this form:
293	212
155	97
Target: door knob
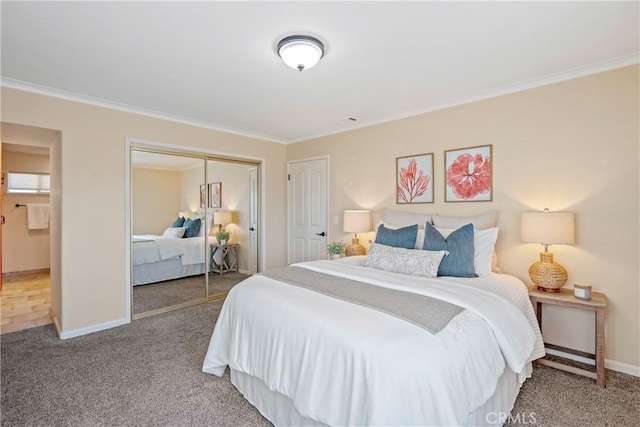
321	234
252	229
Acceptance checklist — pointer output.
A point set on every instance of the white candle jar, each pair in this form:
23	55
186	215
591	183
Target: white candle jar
582	291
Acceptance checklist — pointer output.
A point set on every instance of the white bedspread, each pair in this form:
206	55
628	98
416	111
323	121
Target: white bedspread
344	364
149	248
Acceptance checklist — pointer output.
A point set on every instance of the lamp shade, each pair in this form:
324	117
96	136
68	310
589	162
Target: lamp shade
300	52
222	217
356	221
547	228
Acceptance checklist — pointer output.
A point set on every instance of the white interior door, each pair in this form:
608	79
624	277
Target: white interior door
307	208
253	220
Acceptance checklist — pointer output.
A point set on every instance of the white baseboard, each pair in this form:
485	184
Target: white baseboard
625	368
243	271
93	328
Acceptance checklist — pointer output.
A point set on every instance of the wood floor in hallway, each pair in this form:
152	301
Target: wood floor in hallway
25	301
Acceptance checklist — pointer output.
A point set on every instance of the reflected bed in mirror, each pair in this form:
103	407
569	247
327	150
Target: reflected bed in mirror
157	258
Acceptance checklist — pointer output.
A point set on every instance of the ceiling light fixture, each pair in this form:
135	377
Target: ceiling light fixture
300	52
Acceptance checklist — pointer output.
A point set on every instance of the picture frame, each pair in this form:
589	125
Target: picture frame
414	179
203	196
468	174
215	195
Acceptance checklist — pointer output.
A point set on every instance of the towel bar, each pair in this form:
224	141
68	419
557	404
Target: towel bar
18	205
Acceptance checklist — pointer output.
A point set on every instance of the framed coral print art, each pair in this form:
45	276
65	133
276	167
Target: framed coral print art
215	195
414	179
203	196
468	174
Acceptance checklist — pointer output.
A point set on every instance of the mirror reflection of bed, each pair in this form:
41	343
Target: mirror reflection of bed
173	201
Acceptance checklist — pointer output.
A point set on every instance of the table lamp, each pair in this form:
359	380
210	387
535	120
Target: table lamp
547	228
356	221
222	218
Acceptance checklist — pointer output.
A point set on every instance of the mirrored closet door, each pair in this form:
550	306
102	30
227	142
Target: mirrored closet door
194	223
169	232
233	244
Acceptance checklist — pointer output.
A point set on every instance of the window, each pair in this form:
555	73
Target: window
25	182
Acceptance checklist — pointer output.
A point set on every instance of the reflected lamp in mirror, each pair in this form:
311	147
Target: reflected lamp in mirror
356	221
547	228
222	218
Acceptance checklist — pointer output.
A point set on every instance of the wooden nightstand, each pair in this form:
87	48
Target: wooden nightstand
565	298
227	258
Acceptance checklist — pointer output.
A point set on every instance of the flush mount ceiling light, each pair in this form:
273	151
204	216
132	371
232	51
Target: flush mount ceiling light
300	52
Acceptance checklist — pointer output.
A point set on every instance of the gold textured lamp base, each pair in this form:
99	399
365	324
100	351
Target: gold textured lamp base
355	248
548	275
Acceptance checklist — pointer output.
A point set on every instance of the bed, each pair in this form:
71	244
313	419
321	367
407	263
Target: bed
158	258
384	339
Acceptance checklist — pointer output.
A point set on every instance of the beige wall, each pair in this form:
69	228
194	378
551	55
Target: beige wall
93	197
23	249
190	181
569	146
155	199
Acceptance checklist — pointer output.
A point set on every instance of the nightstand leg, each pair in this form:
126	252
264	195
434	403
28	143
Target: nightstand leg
537	308
600	372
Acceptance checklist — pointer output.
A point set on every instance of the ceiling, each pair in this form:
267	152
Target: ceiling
214	64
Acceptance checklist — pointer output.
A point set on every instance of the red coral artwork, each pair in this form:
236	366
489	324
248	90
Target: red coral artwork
413	179
468	174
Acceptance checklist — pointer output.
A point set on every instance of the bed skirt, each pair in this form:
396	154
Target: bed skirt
167	269
279	409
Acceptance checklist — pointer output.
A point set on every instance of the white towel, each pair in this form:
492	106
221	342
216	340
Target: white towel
37	216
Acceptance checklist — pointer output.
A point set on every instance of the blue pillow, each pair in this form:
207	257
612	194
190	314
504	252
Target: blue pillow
459	262
178	222
401	238
192	227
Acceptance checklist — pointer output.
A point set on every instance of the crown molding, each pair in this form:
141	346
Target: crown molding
574	73
99	102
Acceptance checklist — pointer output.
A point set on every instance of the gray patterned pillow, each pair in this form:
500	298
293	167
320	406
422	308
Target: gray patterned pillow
407	261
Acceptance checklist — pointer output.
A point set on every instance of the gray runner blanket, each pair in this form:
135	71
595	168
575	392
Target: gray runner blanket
428	313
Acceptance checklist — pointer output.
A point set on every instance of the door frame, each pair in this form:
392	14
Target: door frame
54	147
254	199
303	160
132	143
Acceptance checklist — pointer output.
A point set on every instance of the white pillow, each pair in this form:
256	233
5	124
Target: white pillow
174	232
480	222
202	227
406	261
401	219
484	242
419	236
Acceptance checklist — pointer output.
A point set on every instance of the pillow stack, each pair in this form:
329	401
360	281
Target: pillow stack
183	227
466	244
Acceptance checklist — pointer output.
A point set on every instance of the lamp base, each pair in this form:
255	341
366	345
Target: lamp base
550	290
548	275
355	248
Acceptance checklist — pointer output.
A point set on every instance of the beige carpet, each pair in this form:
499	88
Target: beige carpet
149	373
173	292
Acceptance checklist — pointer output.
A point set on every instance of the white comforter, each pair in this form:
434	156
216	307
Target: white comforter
345	364
148	248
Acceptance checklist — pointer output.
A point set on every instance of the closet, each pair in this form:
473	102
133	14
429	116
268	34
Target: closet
180	202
